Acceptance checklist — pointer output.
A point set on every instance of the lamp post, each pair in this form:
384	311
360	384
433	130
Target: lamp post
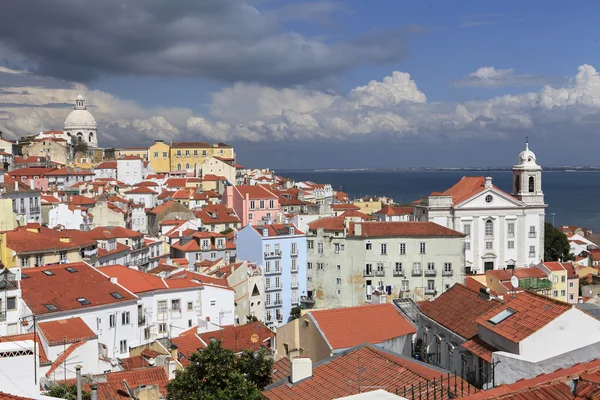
553	214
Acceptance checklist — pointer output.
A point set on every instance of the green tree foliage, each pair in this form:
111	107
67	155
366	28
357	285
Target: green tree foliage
251	318
67	392
227	231
556	245
80	147
295	313
213	374
256	367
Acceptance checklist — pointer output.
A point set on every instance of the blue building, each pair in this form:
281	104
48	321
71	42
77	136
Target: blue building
281	250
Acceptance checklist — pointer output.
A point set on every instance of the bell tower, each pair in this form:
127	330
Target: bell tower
527	178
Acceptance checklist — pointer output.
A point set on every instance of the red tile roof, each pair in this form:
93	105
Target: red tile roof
466	188
203	279
395	229
255	192
282	369
104	233
346	327
238	338
479	348
277	229
66	331
328	224
187	343
190	144
62	289
457	309
141	190
348	206
222	215
554	266
115	389
137	281
531	313
107	165
378	368
7	396
22	240
81	200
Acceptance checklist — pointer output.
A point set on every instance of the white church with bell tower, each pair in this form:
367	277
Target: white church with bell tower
81	125
502	230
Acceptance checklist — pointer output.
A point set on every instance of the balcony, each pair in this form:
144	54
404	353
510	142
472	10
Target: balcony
34	210
447	272
367	272
294	253
90	252
417	272
294	285
430	272
532	234
380	273
398	273
308	300
430	291
2	316
271	288
276	303
272	254
142	321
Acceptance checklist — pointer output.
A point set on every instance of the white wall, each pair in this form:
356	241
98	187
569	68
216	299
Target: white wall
130	171
62	215
17	373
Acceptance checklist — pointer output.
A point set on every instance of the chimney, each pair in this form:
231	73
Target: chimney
174	352
113	280
94	392
488	182
301	369
357	229
484	293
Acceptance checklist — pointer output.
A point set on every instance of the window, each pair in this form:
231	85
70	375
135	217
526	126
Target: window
563	293
278	282
203	152
162	327
402	248
24	262
294	280
165	155
320	248
422	248
570	284
11	303
369	246
532	231
63	256
383	248
309	265
467	245
563	279
338	267
489	245
267	283
430	284
556	293
190	306
398	268
252	205
571	297
448	267
268	299
531	184
467	229
310	244
196	152
51	307
369	269
511	229
531	251
123	346
176	305
438	350
213	302
162	307
83	301
112	320
405	287
277	266
156	154
511	244
489	228
489	198
271	204
430	267
501	316
39	260
146	333
294	264
294	249
336	247
125	318
417	268
187	152
338	281
261	204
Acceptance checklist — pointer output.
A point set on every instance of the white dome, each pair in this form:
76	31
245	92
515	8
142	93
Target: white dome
527	157
80	97
80	119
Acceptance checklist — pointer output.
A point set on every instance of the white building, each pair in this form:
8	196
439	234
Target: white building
69	217
142	195
80	124
106	169
130	169
502	230
11	308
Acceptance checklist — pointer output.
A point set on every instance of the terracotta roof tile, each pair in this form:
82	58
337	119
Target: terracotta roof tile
277	229
328	224
7	396
379	368
255	192
104	232
107	165
479	348
238	338
186	345
190	144
23	240
62	289
466	188
394	229
282	369
114	388
346	327
66	331
141	190
554	266
457	309
28	336
395	210
531	313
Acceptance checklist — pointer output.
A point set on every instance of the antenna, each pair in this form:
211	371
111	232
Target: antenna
514	281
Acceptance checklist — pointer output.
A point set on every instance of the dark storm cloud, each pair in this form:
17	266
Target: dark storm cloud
228	40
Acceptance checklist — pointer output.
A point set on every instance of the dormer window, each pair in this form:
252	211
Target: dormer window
265	232
292	231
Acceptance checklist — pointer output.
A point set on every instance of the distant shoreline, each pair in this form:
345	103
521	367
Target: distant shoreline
427	169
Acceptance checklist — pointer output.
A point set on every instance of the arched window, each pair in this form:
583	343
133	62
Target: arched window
187	166
91	136
517	184
178	167
531	184
489	228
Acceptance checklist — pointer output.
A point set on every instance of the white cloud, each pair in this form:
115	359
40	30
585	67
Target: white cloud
490	77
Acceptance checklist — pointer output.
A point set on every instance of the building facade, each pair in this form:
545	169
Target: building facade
502	230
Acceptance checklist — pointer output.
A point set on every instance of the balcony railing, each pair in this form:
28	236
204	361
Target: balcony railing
270	254
293	253
307	300
532	234
430	272
272	271
380	273
430	291
34	210
447	272
269	288
2	316
294	285
368	273
398	273
417	272
90	252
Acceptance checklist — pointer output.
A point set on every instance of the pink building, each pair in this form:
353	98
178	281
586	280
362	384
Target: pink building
252	204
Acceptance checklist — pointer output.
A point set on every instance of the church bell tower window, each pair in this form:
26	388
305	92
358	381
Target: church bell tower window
531	184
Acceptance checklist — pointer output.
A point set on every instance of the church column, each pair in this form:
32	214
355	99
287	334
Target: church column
475	238
521	240
502	242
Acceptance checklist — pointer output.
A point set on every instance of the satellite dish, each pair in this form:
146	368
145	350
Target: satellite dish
514	281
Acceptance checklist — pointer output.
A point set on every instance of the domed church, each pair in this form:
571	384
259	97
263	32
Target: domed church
80	125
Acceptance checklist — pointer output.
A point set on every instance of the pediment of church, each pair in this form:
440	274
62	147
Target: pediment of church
491	198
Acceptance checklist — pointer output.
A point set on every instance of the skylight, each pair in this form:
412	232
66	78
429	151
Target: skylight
24	276
501	316
71	269
117	295
83	301
48	272
51	307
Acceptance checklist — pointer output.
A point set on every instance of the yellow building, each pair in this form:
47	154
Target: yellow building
368	205
33	245
557	274
141	152
159	157
188	156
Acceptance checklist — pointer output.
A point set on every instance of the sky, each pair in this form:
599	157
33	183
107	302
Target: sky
313	84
